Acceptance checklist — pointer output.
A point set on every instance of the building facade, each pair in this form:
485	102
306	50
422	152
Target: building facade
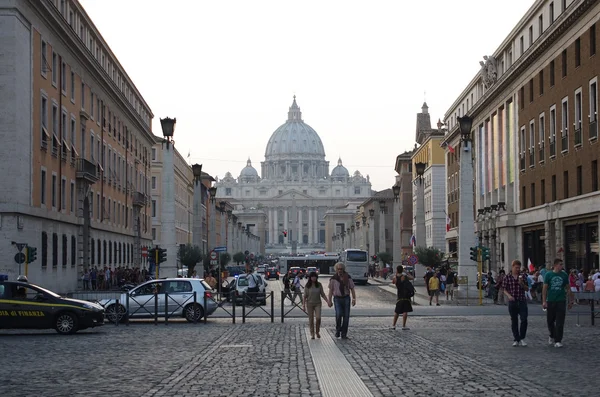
535	109
285	206
403	208
429	190
77	190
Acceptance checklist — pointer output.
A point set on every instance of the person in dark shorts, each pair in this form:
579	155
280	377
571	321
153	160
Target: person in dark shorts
403	304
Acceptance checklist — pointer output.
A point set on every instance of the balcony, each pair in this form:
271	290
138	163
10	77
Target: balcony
86	170
552	147
541	153
531	157
594	130
564	143
522	162
578	137
139	199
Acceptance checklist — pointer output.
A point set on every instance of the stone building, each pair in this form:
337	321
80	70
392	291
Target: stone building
286	205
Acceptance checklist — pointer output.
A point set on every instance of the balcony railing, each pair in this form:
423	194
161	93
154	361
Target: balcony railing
564	143
541	153
594	129
522	162
578	137
139	199
552	147
86	170
531	157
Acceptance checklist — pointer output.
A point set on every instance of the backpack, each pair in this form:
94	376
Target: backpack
408	288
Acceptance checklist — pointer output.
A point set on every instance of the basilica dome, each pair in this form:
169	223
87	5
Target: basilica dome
339	172
248	170
295	138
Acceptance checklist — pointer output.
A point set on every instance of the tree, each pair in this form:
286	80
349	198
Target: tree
225	258
239	257
385	257
190	255
431	257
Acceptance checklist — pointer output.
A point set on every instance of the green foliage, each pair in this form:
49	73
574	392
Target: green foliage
190	255
239	257
385	257
225	258
431	257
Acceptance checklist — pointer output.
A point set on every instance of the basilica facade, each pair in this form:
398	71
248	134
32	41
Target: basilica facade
286	205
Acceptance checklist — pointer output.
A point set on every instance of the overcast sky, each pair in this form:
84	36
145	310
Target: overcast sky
360	70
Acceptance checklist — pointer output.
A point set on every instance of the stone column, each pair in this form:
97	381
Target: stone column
299	238
419	214
396	234
276	226
372	248
466	228
310	226
286	223
168	216
559	244
381	242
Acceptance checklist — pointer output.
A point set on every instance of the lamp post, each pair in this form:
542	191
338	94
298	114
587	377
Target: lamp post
372	247
397	233
381	240
419	211
197	224
466	229
212	214
364	235
168	237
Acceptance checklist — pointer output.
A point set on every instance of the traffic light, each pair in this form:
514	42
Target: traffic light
285	233
485	254
474	253
152	255
374	257
162	255
31	254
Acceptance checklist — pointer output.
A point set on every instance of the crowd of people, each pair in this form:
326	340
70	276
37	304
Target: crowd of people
106	278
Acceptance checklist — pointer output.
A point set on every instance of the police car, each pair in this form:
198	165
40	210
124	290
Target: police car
24	305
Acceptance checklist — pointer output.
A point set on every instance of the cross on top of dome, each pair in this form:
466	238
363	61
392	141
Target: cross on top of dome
294	113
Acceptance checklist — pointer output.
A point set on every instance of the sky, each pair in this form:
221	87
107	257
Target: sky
361	70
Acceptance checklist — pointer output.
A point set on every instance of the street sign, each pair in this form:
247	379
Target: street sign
463	280
413	259
20	258
213	255
404	263
213	262
144	252
20	246
220	249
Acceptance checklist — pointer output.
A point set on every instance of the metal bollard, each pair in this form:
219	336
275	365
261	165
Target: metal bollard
233	310
272	307
166	308
244	307
117	319
155	308
282	308
127	310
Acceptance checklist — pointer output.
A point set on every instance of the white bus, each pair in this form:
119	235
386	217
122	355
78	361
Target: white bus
324	264
357	264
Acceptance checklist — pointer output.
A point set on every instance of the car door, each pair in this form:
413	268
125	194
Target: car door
180	294
141	299
31	307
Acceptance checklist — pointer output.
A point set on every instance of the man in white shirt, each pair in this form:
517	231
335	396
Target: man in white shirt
252	286
297	288
595	275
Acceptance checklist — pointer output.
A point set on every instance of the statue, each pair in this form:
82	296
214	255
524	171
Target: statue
489	73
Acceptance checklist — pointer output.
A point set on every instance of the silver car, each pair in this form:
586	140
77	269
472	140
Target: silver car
177	294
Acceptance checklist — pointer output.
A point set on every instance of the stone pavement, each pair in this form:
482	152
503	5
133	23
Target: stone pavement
439	356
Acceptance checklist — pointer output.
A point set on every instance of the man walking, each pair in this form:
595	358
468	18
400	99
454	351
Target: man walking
403	305
514	287
252	287
554	299
341	287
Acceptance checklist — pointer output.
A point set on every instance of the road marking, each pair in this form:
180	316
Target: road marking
335	374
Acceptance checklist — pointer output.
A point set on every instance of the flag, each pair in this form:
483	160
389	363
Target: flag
413	241
530	265
189	154
448	221
450	149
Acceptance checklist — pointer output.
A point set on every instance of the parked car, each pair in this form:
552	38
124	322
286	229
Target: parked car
410	270
179	300
261	269
239	285
311	269
28	306
296	271
236	270
272	272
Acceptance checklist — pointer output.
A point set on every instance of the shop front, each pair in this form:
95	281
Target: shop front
581	244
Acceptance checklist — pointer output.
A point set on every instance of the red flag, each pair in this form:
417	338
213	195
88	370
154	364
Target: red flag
448	220
450	149
530	265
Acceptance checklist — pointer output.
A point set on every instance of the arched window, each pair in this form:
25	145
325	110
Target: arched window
73	251
93	250
110	250
104	251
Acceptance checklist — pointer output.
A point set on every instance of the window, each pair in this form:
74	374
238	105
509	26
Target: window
530	90
64	250
72	197
44	123
72	86
153	154
54	191
543	191
552	135
541	24
54	68
356	190
578	117
92	105
44	65
578	52
564	131
593	40
541	81
530	35
565	184
551	73
541	137
153	208
44	249
523	197
551	12
43	188
531	143
83	96
564	63
153	233
594	176
54	250
63	77
579	181
522	146
73	251
593	116
63	194
228	191
533	194
553	188
153	182
54	130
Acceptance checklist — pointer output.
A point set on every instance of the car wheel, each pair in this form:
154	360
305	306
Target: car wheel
114	314
66	323
194	312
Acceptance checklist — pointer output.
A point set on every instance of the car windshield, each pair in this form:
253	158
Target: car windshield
47	291
356	256
242	282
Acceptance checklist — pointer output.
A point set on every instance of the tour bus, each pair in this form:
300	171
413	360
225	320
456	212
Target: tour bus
323	263
357	264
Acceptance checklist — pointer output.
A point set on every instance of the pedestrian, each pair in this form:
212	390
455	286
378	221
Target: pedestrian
554	300
297	288
426	277
450	281
341	287
286	287
252	286
313	292
499	295
514	286
86	280
211	281
403	289
434	289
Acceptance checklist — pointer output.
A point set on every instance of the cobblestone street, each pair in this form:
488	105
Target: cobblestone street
452	356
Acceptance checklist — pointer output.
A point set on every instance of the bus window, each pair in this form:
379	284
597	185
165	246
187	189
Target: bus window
356	256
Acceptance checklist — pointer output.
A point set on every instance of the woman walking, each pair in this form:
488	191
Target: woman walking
313	291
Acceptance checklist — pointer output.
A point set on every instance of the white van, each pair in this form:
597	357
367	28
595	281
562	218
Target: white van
357	264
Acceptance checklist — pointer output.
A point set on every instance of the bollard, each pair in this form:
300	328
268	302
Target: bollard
155	307
117	319
166	308
205	305
127	310
244	307
272	308
233	310
282	308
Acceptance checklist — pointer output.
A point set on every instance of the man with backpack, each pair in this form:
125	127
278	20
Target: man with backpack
286	286
405	291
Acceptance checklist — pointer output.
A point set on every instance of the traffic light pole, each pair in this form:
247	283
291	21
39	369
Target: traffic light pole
156	262
480	271
26	260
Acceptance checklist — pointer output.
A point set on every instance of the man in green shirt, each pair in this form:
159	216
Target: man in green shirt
554	300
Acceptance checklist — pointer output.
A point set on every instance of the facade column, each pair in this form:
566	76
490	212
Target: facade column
271	226
276	226
548	235
286	223
299	238
197	223
419	214
466	230
396	234
168	216
381	245
558	241
372	248
317	225
310	225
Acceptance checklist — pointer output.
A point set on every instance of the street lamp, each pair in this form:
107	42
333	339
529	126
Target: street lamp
197	170
396	190
372	212
357	224
420	169
465	124
364	219
213	192
168	128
